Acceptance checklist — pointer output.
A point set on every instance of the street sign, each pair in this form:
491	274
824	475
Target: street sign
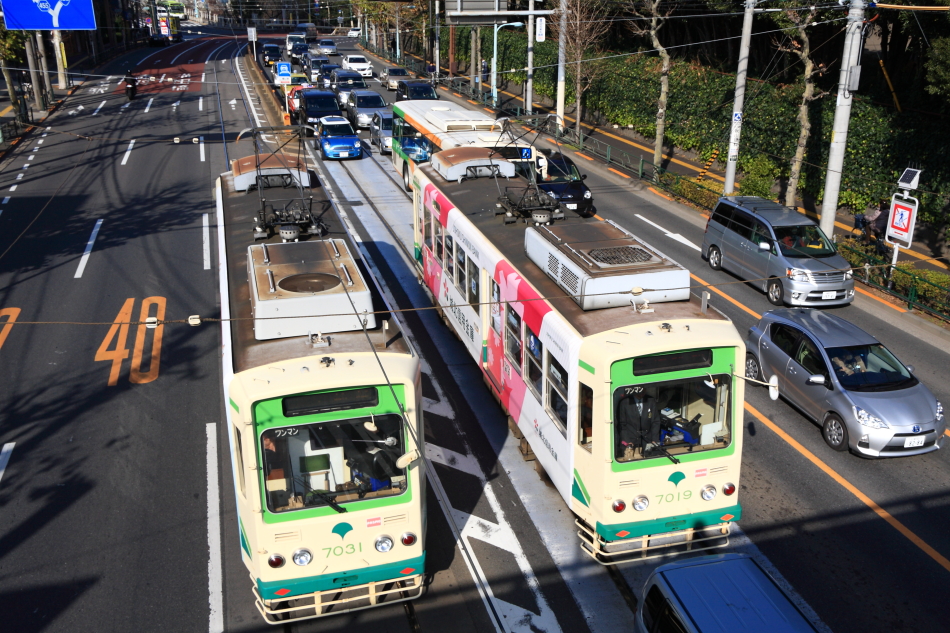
163	26
282	76
252	34
339	19
900	223
43	15
540	28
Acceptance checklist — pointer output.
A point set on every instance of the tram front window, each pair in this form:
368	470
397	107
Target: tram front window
659	419
332	463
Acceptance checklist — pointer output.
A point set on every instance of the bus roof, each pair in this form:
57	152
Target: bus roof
448	125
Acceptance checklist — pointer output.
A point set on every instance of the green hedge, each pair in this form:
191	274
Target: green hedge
881	141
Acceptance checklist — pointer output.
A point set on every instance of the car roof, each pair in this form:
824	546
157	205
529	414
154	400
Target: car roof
391	68
326	41
414	82
364	92
346	72
830	329
334	119
319	91
772	212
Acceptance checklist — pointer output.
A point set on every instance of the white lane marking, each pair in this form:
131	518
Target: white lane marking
201	104
125	158
13	188
18	177
96	111
36	149
125	107
31	157
676	236
201	147
162	78
208	61
202	77
89	244
149	104
40	141
7	199
25	166
5	456
206	241
215	593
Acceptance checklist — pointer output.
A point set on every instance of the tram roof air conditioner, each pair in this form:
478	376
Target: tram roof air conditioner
464	163
598	263
300	288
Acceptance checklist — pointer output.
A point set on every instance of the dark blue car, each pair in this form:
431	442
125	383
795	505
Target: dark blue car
565	184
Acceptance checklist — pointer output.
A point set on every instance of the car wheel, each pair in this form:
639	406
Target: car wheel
752	369
715	258
775	291
835	433
405	177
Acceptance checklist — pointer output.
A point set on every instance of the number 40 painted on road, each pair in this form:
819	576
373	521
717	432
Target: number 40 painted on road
118	336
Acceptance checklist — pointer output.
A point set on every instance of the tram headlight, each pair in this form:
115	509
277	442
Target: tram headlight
729	489
619	506
641	503
302	557
408	539
275	561
708	493
384	544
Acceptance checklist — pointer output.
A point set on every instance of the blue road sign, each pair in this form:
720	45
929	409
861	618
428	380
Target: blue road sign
43	15
283	69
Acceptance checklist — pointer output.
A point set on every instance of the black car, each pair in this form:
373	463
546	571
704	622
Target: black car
297	51
271	54
342	81
326	70
316	103
415	90
565	183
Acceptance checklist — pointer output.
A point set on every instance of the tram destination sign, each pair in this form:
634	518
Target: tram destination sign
44	15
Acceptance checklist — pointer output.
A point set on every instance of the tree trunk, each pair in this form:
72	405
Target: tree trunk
804	122
664	93
11	89
578	97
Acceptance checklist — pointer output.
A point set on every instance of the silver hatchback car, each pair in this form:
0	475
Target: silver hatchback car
840	376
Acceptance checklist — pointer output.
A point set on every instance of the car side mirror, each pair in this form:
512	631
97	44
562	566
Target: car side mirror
817	379
909	368
765	246
583	176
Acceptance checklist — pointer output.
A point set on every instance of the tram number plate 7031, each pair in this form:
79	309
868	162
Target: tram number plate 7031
340	550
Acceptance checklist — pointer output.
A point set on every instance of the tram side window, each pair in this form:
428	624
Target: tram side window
513	336
556	396
585	414
534	361
449	258
496	307
460	259
427	227
473	282
438	241
239	461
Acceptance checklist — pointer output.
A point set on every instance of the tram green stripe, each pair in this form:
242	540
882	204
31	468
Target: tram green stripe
244	544
669	524
579	490
584	365
340	579
234	405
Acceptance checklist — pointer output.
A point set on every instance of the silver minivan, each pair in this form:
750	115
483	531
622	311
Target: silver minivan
726	593
779	251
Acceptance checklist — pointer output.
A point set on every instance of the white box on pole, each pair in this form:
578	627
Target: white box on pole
540	29
252	34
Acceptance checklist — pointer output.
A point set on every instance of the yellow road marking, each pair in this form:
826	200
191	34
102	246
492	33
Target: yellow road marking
457	95
584	156
847	485
726	297
487	109
659	194
5	110
470	101
598	217
619	173
876	298
136	375
11	314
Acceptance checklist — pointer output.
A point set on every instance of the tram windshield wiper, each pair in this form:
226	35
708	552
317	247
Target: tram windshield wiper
330	500
662	449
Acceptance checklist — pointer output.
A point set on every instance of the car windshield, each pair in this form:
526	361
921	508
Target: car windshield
869	368
272	48
332	463
350	83
300	47
320	103
672	417
421	92
370	101
561	171
326	69
398	72
356	59
296	81
338	129
803	241
327	43
386	123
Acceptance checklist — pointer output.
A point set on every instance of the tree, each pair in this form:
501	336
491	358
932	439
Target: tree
652	18
586	26
11	50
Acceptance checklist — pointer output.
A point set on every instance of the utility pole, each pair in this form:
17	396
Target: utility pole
438	40
452	68
34	76
155	30
41	50
561	62
529	84
847	84
60	61
473	60
737	104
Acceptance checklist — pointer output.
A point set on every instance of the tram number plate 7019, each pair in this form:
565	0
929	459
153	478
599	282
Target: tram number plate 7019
671	497
340	550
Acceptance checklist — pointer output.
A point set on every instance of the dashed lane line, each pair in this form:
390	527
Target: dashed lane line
89	245
96	111
125	158
5	456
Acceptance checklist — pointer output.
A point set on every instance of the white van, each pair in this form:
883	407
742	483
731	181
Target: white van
725	593
293	38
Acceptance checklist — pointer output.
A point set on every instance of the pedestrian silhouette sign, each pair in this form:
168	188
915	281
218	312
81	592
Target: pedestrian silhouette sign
44	15
900	223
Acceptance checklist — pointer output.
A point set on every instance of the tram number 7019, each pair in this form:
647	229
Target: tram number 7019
670	497
340	550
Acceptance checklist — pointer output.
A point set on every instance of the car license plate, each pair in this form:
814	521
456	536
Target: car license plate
912	442
829	294
344	154
572	207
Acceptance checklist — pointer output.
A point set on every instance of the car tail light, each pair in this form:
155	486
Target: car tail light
408	539
275	561
619	505
728	489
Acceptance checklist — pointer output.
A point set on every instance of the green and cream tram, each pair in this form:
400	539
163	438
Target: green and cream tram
619	381
324	417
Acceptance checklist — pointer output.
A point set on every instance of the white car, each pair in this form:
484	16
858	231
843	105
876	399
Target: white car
357	63
354	32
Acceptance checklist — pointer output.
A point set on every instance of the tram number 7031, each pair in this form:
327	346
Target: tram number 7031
670	497
340	550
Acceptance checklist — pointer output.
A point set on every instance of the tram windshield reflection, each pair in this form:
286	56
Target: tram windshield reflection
672	418
332	463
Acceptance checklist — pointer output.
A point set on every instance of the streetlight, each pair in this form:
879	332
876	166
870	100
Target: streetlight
494	62
411	6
